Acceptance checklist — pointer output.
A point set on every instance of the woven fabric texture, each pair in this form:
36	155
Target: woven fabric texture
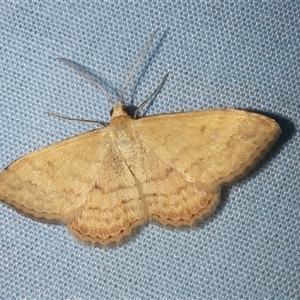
237	54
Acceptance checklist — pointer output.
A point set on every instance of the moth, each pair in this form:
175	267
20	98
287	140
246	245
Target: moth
169	168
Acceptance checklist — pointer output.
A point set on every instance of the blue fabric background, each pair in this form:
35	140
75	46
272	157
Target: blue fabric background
239	54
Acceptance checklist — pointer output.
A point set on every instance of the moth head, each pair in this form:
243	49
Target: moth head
119	111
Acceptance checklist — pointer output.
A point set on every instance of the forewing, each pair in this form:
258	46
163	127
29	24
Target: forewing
53	182
208	147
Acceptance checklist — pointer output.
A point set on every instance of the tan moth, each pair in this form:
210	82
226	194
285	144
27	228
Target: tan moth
169	168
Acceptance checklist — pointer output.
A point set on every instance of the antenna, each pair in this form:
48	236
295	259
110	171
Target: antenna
89	78
145	102
136	64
